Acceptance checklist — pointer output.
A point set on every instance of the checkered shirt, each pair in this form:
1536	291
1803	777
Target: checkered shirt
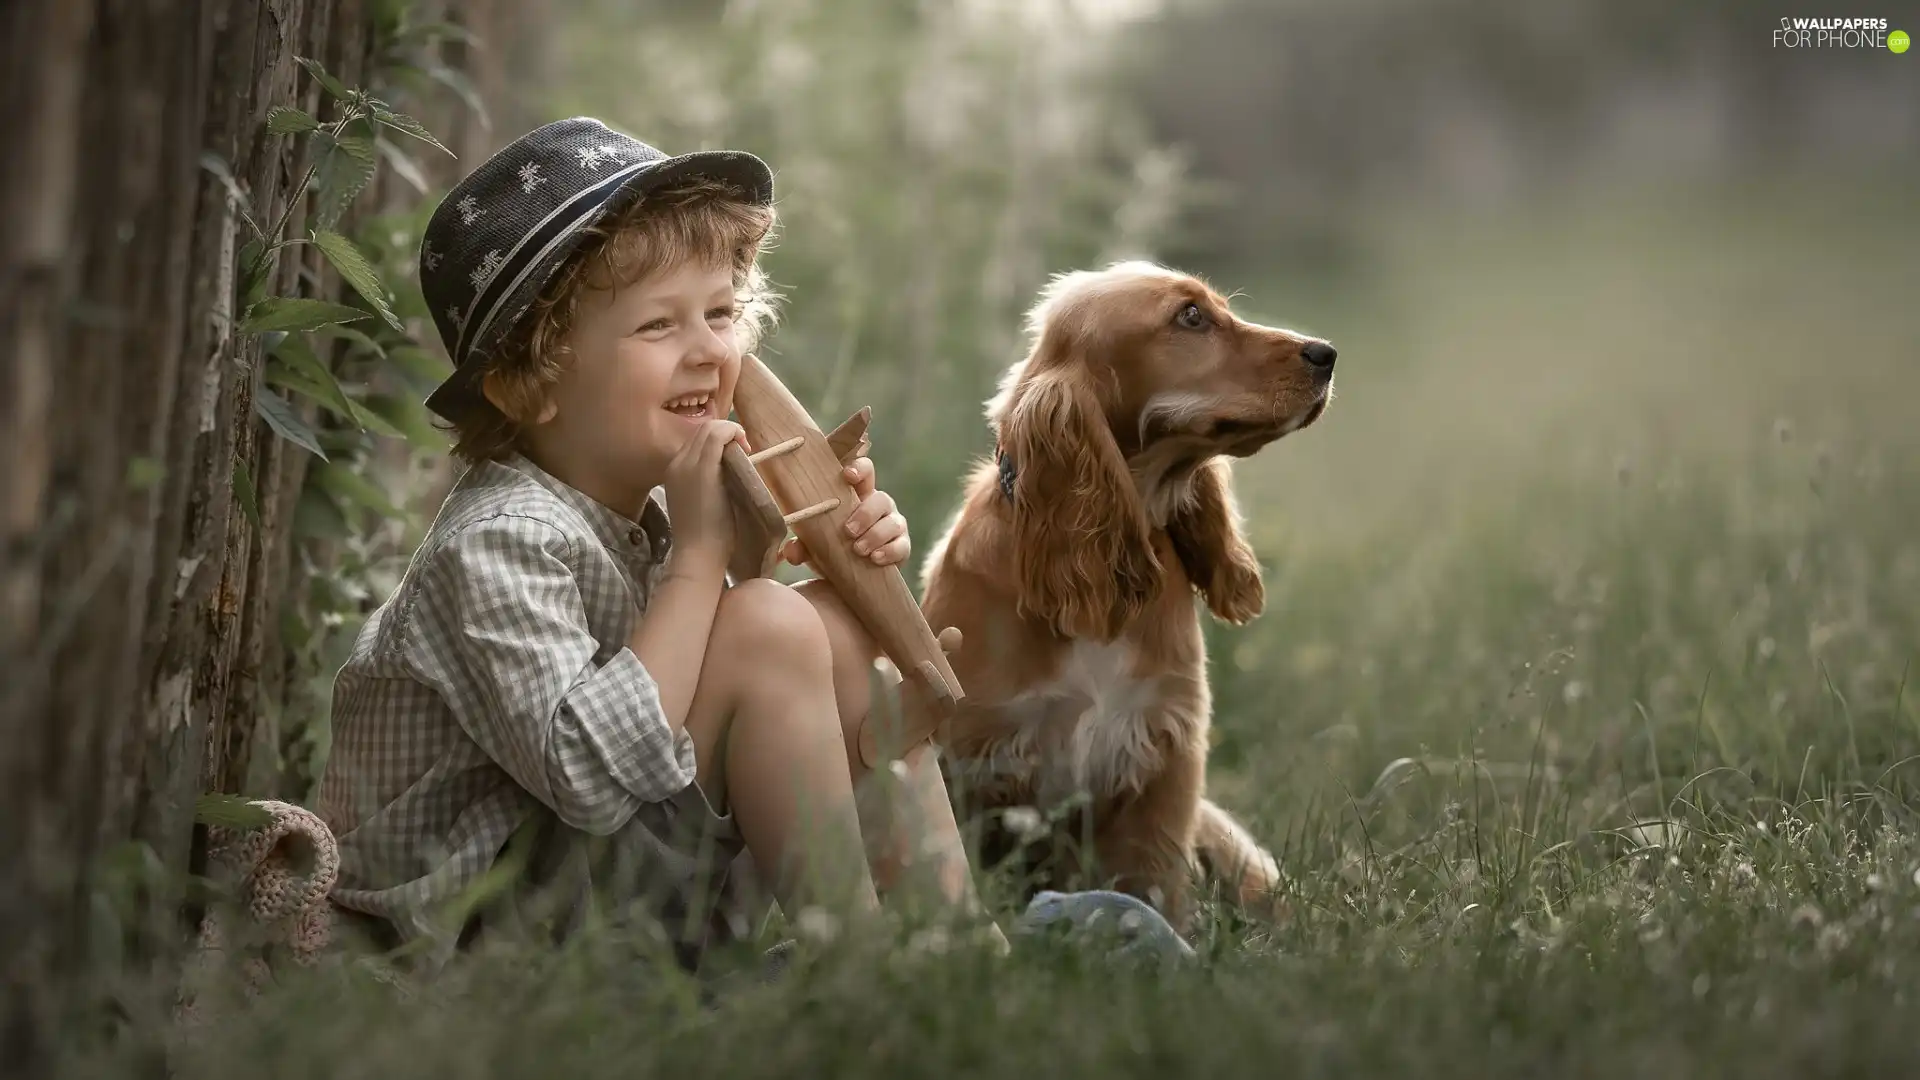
494	685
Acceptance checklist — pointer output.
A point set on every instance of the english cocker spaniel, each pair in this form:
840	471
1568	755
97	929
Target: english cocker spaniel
1071	568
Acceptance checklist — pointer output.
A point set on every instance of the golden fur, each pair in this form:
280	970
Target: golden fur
1083	663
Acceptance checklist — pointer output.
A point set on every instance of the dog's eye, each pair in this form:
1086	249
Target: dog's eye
1191	317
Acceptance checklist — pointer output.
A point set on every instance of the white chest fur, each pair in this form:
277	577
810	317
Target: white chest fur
1091	727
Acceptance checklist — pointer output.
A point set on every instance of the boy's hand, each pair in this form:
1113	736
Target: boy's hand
875	528
696	499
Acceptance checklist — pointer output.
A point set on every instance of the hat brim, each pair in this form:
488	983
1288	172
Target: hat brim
460	392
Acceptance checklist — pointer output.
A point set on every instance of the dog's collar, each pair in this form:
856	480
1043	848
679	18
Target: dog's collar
1007	472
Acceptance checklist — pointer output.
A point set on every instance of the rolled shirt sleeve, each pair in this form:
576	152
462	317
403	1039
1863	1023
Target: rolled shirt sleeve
517	663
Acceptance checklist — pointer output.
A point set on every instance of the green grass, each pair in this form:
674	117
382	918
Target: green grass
1583	714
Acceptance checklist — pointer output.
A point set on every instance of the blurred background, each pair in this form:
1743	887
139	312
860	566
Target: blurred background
1623	294
1614	521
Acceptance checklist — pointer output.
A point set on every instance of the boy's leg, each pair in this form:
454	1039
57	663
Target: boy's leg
917	829
767	739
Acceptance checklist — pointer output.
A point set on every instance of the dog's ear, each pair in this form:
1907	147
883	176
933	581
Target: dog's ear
1082	554
1205	530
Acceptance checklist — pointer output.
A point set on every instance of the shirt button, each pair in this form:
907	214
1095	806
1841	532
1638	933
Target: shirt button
636	537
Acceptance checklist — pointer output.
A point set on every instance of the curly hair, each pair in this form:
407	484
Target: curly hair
700	221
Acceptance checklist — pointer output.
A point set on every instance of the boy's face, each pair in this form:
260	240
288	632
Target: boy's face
651	362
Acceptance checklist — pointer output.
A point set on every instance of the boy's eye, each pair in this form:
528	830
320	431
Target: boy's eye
650	327
730	311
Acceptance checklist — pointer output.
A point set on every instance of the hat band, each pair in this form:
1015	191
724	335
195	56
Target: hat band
532	249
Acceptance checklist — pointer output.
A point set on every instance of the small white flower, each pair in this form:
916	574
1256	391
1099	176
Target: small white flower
530	177
429	257
589	157
1023	821
470	210
818	924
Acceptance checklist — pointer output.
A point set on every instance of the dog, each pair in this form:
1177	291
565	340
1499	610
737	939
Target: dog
1071	567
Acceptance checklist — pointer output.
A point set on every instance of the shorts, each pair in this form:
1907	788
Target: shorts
676	874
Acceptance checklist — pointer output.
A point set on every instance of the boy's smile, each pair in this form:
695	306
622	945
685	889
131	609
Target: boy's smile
694	406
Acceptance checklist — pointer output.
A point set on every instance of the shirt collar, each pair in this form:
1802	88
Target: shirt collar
647	540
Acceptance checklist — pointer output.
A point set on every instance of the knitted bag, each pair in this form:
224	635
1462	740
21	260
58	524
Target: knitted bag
275	879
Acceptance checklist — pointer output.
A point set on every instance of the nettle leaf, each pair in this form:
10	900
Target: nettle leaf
317	380
279	414
286	120
463	86
420	367
350	486
296	313
346	167
357	272
357	337
369	420
231	812
319	72
403	164
252	273
407	125
244	491
429	33
307	377
410	418
317	516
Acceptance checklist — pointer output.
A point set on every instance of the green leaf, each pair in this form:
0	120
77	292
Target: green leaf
347	484
285	120
357	337
346	167
326	392
295	313
231	812
411	419
461	85
333	86
432	32
243	490
357	272
403	164
407	125
317	516
252	273
374	422
280	416
421	367
318	381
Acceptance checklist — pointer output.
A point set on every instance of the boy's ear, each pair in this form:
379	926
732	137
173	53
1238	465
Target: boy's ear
519	399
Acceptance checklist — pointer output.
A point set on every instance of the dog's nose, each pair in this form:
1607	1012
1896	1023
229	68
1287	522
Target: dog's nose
1319	354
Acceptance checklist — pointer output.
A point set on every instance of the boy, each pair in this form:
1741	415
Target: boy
558	667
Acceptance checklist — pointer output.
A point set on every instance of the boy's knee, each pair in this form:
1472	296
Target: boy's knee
851	642
762	621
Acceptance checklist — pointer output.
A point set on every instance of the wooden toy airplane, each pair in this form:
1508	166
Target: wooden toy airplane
795	480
